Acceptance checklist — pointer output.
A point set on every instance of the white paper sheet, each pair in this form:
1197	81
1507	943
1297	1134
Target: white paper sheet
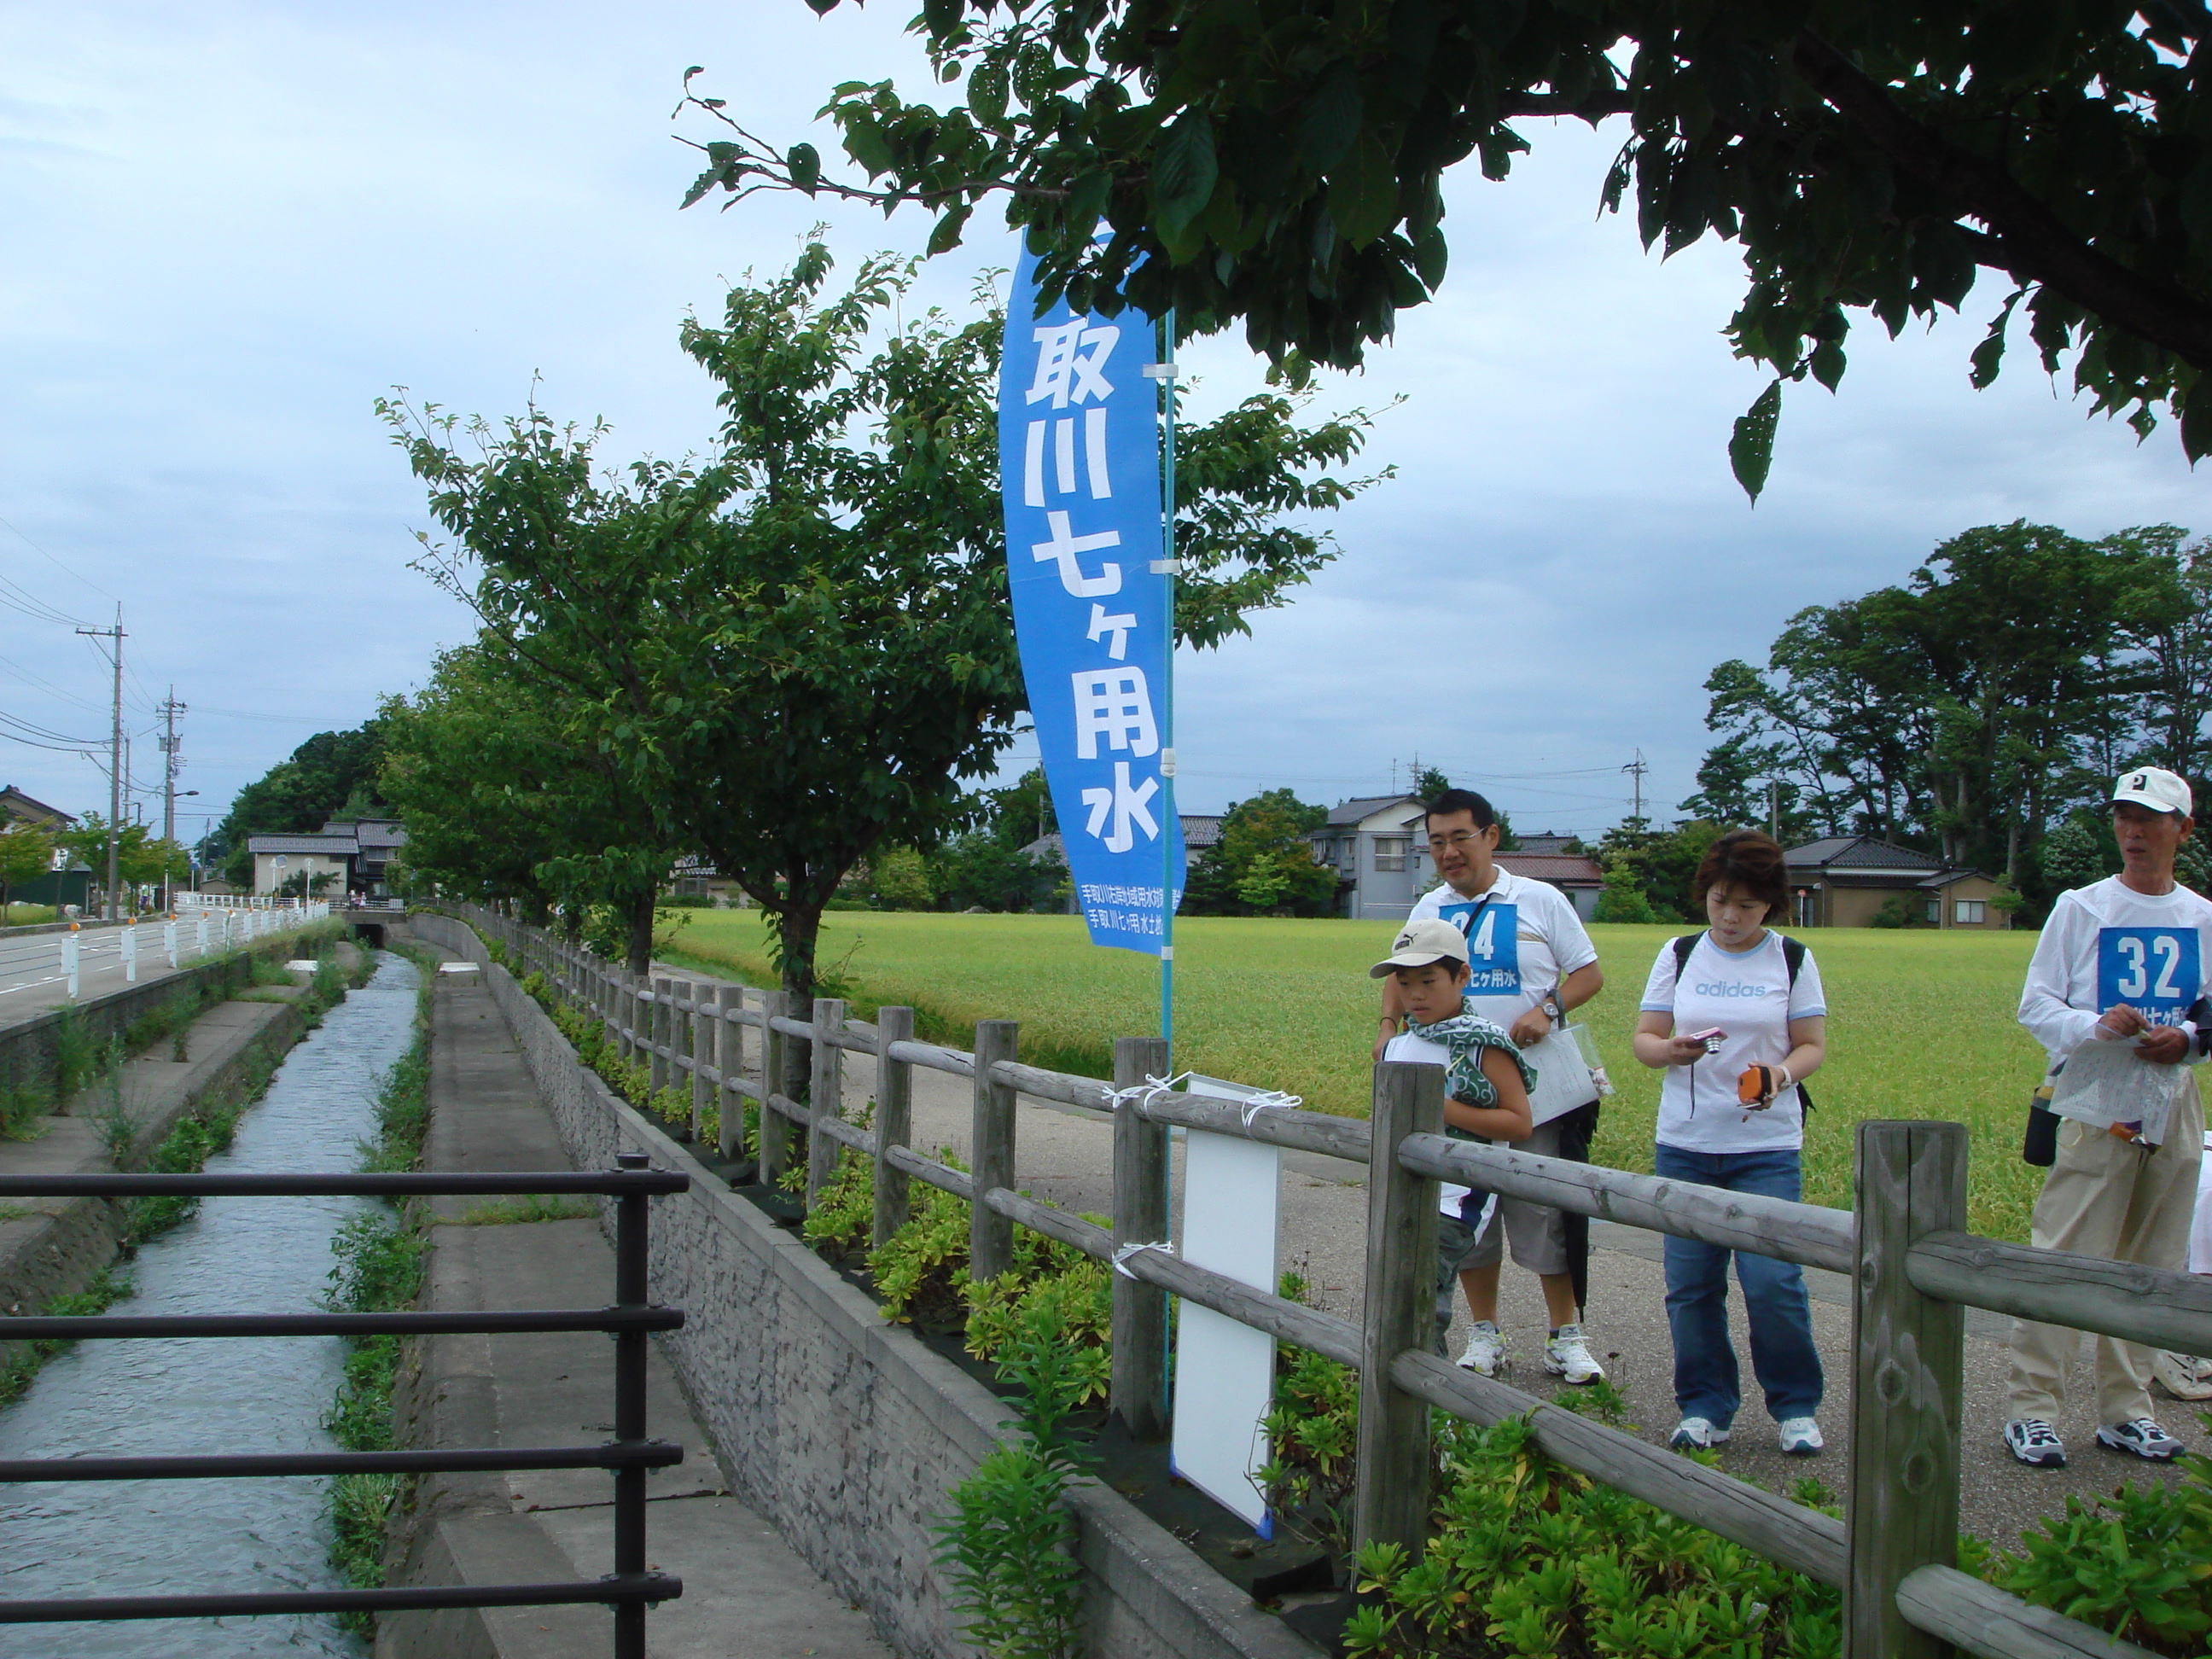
2106	1083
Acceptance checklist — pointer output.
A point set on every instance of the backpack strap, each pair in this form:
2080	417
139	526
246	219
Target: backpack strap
1683	947
1793	956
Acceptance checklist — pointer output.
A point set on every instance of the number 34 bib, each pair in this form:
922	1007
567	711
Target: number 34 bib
1493	945
2156	970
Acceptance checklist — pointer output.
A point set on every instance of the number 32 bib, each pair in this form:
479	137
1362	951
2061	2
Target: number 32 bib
2156	970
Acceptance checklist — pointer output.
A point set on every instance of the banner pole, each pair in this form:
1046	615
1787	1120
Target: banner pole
1167	565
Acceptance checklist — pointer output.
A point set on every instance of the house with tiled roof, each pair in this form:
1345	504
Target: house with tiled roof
344	856
1847	881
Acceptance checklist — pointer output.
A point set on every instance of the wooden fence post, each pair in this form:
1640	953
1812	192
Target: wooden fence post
775	1136
656	1062
628	1008
705	1027
991	1151
1908	1351
825	1095
1140	1217
1390	1504
894	1121
730	1060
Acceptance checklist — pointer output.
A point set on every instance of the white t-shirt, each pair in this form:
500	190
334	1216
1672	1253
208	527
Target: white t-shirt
1522	938
1419	1051
2107	944
1747	993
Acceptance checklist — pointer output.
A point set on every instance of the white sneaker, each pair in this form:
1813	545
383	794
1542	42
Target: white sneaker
1800	1437
1568	1355
1486	1349
1697	1432
2183	1376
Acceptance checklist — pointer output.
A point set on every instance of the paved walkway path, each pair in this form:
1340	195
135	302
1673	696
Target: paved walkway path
746	1596
1064	1154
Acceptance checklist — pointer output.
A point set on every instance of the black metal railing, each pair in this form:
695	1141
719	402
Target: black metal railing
629	1590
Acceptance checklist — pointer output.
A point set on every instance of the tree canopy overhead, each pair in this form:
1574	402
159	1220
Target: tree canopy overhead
1280	163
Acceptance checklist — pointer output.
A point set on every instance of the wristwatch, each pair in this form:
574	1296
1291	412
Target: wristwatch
1552	1011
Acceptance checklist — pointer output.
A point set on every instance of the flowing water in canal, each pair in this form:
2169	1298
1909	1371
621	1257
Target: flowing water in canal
232	1395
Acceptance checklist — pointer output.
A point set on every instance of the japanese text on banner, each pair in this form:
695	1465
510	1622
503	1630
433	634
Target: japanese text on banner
1079	462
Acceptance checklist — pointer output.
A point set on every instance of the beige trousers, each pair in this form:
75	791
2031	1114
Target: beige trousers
2105	1197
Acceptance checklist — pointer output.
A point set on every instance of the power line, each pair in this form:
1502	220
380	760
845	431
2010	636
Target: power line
73	574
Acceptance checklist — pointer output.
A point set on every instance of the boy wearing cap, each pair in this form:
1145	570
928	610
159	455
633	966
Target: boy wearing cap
2121	960
1531	964
1486	1082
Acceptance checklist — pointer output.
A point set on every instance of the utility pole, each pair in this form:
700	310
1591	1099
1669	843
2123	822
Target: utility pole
172	764
1635	769
114	771
1773	809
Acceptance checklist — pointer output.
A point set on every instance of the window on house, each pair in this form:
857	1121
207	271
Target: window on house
1391	852
1935	910
1969	912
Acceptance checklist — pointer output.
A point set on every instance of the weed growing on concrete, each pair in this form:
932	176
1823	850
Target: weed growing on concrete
19	1113
112	1121
536	1206
77	1053
23	1359
380	1269
1010	1542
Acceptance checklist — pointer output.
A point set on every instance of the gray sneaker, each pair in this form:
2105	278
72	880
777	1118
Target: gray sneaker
2035	1442
2140	1437
1695	1434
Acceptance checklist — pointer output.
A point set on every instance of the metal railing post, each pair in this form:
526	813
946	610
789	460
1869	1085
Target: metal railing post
825	1095
1140	1217
1907	1385
894	1122
991	1151
1390	1504
631	1292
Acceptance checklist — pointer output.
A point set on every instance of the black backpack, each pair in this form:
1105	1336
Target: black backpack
1793	958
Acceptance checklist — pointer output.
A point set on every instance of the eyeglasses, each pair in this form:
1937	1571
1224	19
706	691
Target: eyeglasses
1457	838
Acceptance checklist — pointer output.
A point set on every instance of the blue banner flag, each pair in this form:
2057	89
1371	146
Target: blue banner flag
1080	466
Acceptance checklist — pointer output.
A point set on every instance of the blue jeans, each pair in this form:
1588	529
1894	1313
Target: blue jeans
1782	1355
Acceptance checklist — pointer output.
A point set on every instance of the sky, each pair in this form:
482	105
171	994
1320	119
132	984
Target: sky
230	228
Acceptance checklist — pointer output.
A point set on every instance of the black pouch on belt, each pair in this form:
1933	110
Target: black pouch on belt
2040	1146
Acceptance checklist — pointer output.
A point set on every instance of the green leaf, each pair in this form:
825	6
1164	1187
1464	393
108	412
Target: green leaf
1363	195
806	164
1332	118
1751	445
866	144
1183	172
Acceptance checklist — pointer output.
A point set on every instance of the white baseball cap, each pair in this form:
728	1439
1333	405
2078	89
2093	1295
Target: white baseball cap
2155	788
1421	944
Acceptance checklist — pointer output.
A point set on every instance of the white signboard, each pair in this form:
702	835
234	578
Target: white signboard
1224	1371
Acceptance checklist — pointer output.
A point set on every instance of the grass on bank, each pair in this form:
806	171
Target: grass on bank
1921	1024
380	1269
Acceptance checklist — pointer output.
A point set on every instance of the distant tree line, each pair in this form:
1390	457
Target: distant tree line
1977	711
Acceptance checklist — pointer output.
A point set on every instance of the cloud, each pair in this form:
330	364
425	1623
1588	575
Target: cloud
236	226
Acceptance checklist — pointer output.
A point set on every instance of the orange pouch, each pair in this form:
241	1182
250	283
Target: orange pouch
1755	1082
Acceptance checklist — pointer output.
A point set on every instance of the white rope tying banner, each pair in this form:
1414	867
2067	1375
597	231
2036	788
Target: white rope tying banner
1141	1094
1123	1252
1274	1101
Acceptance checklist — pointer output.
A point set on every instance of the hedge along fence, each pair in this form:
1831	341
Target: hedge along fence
1914	1269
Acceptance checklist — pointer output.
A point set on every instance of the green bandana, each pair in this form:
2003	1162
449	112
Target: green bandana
1466	1035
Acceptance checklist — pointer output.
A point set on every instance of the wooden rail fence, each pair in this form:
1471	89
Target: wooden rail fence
1914	1269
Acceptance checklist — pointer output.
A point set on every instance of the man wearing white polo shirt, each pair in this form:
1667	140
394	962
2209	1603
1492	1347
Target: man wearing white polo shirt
2122	961
1532	964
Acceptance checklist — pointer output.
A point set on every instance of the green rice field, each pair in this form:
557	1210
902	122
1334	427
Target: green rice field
1920	1024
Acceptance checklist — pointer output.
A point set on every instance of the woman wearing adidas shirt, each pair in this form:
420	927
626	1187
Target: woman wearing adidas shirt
1737	979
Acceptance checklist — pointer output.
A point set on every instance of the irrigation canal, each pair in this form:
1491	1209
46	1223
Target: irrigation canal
117	1398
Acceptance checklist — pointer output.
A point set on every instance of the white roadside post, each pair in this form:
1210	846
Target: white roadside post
130	950
200	933
69	958
169	939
